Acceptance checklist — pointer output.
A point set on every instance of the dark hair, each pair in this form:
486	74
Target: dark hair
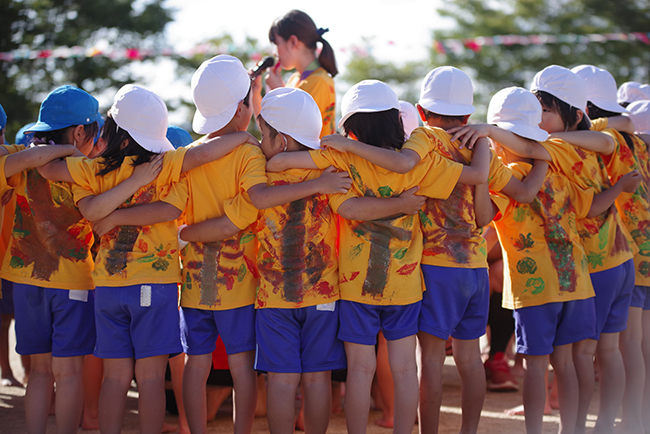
273	133
625	104
596	112
60	137
298	23
568	113
247	98
382	129
429	114
113	157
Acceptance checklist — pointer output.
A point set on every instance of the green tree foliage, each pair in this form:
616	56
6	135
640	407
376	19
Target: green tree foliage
498	66
48	24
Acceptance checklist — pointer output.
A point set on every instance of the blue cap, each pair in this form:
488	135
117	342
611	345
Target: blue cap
3	118
24	138
100	121
66	106
178	136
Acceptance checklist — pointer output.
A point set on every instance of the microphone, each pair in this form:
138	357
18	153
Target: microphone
262	66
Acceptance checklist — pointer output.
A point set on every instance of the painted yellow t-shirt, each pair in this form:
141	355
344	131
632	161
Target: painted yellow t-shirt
544	259
606	242
223	275
297	257
633	207
10	208
320	85
379	260
134	255
451	236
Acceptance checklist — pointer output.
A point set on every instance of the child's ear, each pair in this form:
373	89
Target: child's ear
293	41
580	114
466	119
423	117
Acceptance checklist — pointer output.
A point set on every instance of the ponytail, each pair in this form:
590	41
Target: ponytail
298	23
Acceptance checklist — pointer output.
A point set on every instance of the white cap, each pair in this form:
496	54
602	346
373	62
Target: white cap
639	111
143	114
447	91
367	96
601	87
218	86
563	84
517	110
295	113
632	91
410	117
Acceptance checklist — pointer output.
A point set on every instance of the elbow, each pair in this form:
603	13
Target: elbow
404	167
609	147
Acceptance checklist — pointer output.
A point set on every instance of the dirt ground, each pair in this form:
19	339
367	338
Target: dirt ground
493	420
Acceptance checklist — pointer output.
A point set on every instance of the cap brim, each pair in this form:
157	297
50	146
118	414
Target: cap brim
205	125
446	109
44	126
533	133
609	106
157	146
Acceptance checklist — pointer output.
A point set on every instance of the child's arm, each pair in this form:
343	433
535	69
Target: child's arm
484	208
490	235
215	148
514	143
290	160
97	207
621	123
141	215
479	169
526	190
594	141
373	208
35	157
398	162
214	229
603	201
330	182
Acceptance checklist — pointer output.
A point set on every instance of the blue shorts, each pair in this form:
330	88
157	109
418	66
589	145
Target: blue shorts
540	328
298	340
455	303
641	297
613	290
360	323
201	327
48	320
7	300
137	322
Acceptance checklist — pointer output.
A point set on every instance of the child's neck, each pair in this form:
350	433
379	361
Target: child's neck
228	129
305	59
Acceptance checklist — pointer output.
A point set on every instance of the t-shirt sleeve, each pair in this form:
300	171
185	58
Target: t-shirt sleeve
177	194
173	164
599	124
240	210
336	200
12	149
323	158
440	176
419	142
84	176
502	203
582	199
254	169
499	174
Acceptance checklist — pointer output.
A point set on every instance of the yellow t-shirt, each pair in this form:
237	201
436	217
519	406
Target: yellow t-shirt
606	242
544	259
633	207
451	236
320	85
297	258
134	255
50	241
379	260
10	208
223	275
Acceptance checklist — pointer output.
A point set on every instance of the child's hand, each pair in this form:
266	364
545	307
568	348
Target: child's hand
274	77
470	134
145	173
332	182
257	85
411	203
630	181
103	226
336	141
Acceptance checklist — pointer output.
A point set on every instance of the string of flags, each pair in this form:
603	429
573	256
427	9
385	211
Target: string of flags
441	46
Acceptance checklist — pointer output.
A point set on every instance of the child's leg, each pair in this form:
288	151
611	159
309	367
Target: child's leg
534	392
567	386
150	376
244	390
467	355
8	378
612	383
401	356
361	369
432	360
317	400
583	359
68	376
93	376
118	374
635	373
39	393
176	366
385	384
281	402
195	376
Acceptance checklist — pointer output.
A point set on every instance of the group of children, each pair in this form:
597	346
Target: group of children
300	249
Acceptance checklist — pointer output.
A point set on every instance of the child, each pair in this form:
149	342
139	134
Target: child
295	37
631	91
379	260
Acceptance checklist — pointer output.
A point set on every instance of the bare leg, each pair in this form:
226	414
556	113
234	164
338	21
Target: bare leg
150	376
385	383
176	366
612	382
632	352
260	406
467	355
567	387
118	374
245	390
68	376
534	392
361	369
39	393
432	360
93	376
216	395
583	359
195	376
281	407
8	378
317	400
401	355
